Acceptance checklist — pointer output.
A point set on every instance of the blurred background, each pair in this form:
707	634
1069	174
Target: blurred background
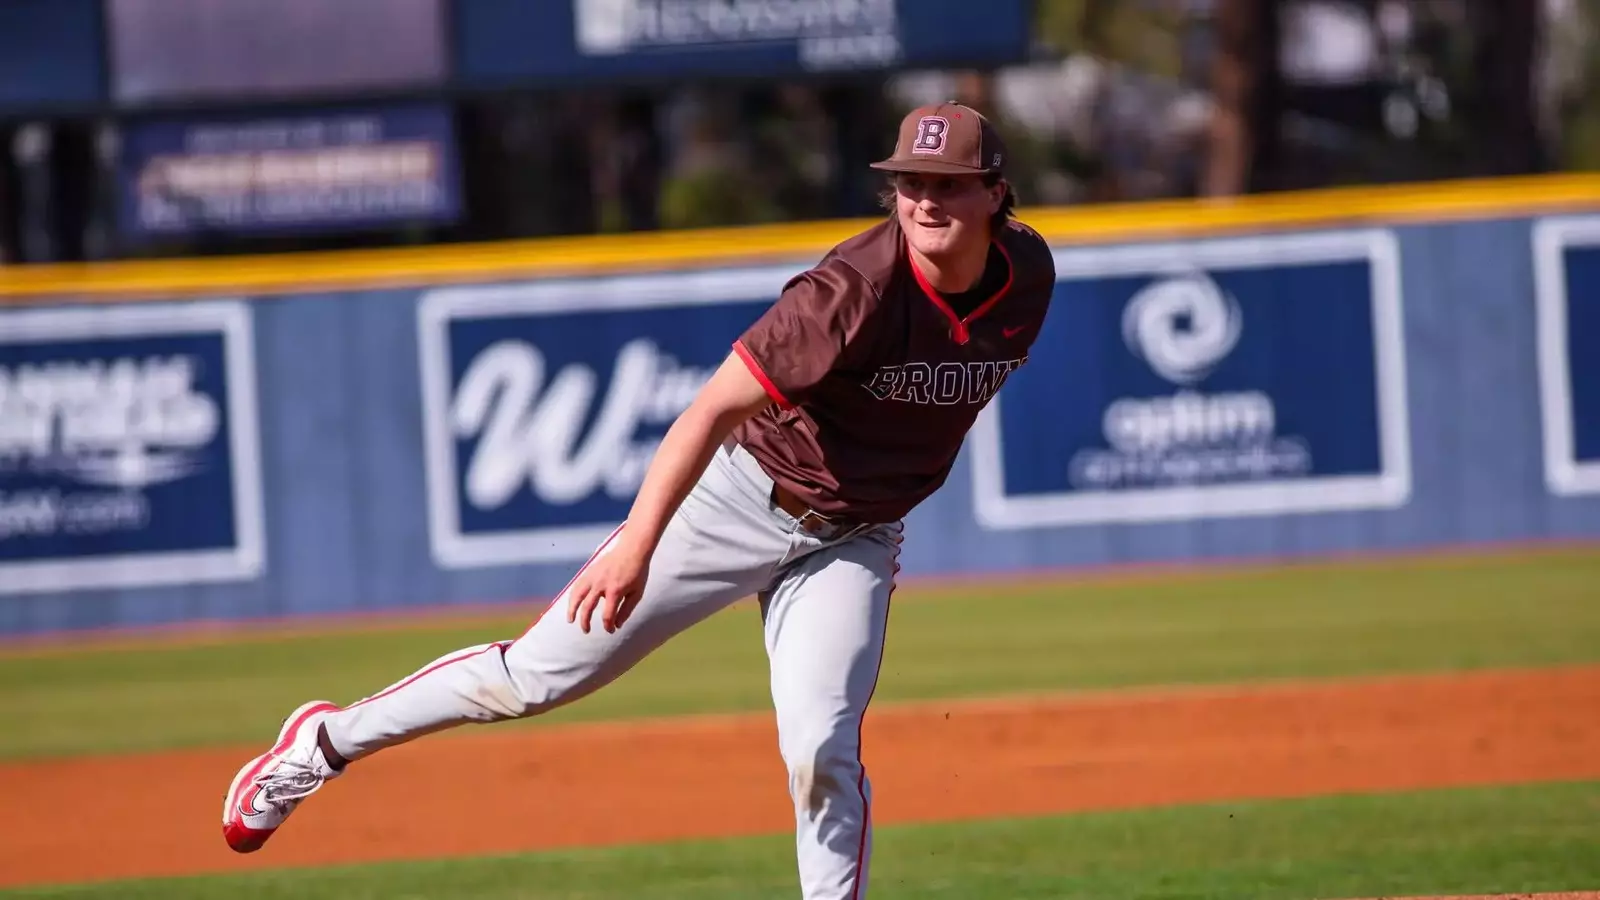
1386	398
125	124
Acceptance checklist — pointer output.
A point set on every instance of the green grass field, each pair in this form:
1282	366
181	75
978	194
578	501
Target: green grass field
1445	614
1393	617
1471	841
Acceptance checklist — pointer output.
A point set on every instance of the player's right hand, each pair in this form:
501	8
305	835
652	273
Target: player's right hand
612	583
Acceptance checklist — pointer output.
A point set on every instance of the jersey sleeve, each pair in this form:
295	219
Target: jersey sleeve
815	326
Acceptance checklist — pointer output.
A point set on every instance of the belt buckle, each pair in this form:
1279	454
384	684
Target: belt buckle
830	529
811	515
810	521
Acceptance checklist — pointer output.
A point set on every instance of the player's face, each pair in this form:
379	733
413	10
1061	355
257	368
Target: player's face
944	214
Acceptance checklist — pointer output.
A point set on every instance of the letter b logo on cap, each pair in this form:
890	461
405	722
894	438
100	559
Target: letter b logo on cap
931	131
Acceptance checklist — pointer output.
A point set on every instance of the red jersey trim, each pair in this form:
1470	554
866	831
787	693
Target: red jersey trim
959	325
761	375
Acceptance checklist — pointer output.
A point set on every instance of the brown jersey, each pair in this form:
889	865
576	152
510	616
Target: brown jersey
876	379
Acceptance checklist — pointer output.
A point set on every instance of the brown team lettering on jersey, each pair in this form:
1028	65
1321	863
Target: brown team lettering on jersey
875	379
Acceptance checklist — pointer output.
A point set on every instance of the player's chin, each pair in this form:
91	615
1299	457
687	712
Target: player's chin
933	239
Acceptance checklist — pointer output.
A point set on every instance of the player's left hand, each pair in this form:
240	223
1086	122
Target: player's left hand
613	584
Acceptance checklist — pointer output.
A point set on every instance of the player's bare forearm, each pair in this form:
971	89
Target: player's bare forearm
683	455
728	398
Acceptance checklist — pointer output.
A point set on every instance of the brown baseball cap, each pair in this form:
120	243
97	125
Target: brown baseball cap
946	139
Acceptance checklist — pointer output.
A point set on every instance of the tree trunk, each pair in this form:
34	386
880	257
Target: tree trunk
1243	135
1504	119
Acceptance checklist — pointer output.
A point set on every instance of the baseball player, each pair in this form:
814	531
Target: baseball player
838	410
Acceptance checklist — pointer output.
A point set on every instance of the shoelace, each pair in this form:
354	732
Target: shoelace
291	779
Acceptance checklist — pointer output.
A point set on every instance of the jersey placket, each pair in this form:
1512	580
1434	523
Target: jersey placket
960	327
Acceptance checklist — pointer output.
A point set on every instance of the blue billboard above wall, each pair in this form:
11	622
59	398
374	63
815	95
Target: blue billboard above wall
50	55
1567	275
1209	379
129	453
500	41
328	170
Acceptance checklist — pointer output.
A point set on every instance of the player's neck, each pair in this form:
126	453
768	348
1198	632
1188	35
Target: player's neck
954	272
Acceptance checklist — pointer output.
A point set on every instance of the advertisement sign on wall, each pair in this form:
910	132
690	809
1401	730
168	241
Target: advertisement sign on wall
1194	380
1189	400
543	403
310	172
129	452
1567	281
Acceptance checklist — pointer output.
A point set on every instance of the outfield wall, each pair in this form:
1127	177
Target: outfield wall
1341	371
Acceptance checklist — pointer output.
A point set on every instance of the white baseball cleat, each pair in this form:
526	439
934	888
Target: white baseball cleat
270	786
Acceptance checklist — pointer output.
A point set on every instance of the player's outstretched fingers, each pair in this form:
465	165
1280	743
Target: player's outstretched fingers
615	609
580	604
574	597
625	608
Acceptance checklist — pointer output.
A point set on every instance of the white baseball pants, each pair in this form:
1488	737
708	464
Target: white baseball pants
824	607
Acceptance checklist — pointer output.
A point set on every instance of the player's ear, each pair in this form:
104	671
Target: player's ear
997	194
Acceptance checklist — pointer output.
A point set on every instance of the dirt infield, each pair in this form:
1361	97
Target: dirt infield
499	789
